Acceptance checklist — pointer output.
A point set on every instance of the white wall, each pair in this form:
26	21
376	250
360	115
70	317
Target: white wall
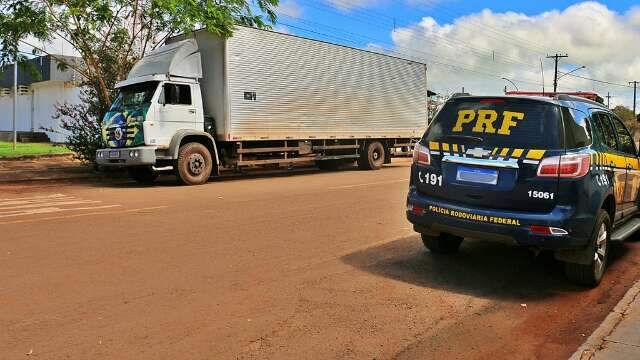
36	109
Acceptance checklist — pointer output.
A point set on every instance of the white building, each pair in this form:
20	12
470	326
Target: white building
37	97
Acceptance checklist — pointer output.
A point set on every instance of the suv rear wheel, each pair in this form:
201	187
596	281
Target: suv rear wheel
194	164
591	274
442	244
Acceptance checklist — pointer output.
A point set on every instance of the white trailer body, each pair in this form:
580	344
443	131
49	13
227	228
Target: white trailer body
267	85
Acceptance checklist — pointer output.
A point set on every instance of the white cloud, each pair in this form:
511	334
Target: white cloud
282	29
346	5
592	35
289	8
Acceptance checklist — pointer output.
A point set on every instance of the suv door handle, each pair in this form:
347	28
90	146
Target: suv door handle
192	111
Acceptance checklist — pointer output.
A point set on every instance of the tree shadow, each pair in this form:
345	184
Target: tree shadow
482	269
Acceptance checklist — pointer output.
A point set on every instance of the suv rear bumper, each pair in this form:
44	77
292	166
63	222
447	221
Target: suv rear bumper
135	156
434	216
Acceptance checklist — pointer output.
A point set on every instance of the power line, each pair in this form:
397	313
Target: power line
447	64
515	40
594	80
488	52
352	35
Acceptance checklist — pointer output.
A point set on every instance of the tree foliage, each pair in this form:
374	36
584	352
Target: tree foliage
111	35
626	115
82	130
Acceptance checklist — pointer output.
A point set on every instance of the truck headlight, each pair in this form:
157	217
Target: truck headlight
134	154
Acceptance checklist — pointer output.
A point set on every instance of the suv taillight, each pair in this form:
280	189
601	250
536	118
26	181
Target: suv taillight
565	166
421	155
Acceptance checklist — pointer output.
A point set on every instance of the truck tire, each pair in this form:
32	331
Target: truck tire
194	164
373	156
591	274
442	244
143	175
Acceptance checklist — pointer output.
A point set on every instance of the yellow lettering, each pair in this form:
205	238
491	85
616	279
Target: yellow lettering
485	121
464	117
508	123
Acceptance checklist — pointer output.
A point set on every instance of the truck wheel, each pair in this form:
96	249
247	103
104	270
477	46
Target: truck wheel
442	244
372	157
592	273
194	164
143	175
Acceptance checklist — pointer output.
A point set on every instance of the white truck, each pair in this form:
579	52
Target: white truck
202	103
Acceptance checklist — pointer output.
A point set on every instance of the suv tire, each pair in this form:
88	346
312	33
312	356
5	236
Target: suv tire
372	157
442	244
194	164
143	175
591	274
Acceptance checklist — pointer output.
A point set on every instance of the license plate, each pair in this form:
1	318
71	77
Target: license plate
114	154
477	175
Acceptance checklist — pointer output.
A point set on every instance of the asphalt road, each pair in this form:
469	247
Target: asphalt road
311	265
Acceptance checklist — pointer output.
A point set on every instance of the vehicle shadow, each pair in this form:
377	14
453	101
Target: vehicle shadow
482	269
169	180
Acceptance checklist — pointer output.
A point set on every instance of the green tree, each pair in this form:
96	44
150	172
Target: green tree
111	35
626	115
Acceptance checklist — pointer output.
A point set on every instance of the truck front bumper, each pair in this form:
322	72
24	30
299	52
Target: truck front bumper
137	156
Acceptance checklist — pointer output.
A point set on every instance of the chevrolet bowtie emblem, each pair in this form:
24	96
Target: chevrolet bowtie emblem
478	152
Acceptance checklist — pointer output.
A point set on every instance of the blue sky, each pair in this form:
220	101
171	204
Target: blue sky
477	50
377	19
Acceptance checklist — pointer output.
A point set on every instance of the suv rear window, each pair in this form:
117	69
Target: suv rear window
512	123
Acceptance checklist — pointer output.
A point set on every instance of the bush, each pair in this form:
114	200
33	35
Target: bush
81	128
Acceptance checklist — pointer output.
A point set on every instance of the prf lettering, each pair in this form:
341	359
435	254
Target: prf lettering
485	121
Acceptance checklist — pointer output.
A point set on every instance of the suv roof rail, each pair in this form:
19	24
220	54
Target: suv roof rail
565	97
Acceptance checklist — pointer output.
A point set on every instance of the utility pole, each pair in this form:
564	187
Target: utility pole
556	58
15	103
635	88
609	100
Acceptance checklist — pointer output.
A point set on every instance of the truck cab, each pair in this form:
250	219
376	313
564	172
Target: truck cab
158	104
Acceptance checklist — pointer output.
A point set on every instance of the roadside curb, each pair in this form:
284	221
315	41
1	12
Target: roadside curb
594	343
38	157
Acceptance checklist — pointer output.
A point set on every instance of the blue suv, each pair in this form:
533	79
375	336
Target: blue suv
557	174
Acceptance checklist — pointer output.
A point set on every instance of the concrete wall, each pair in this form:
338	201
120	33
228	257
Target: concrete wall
36	108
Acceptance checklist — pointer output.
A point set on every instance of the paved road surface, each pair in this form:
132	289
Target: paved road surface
316	265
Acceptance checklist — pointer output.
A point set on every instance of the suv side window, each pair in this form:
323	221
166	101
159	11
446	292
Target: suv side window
176	94
625	140
606	129
577	132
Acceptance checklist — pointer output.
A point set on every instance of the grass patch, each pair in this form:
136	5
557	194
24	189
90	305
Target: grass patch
6	149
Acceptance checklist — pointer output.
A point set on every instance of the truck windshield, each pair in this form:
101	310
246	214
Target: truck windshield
134	96
502	122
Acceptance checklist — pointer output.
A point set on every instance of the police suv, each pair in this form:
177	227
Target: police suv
556	173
